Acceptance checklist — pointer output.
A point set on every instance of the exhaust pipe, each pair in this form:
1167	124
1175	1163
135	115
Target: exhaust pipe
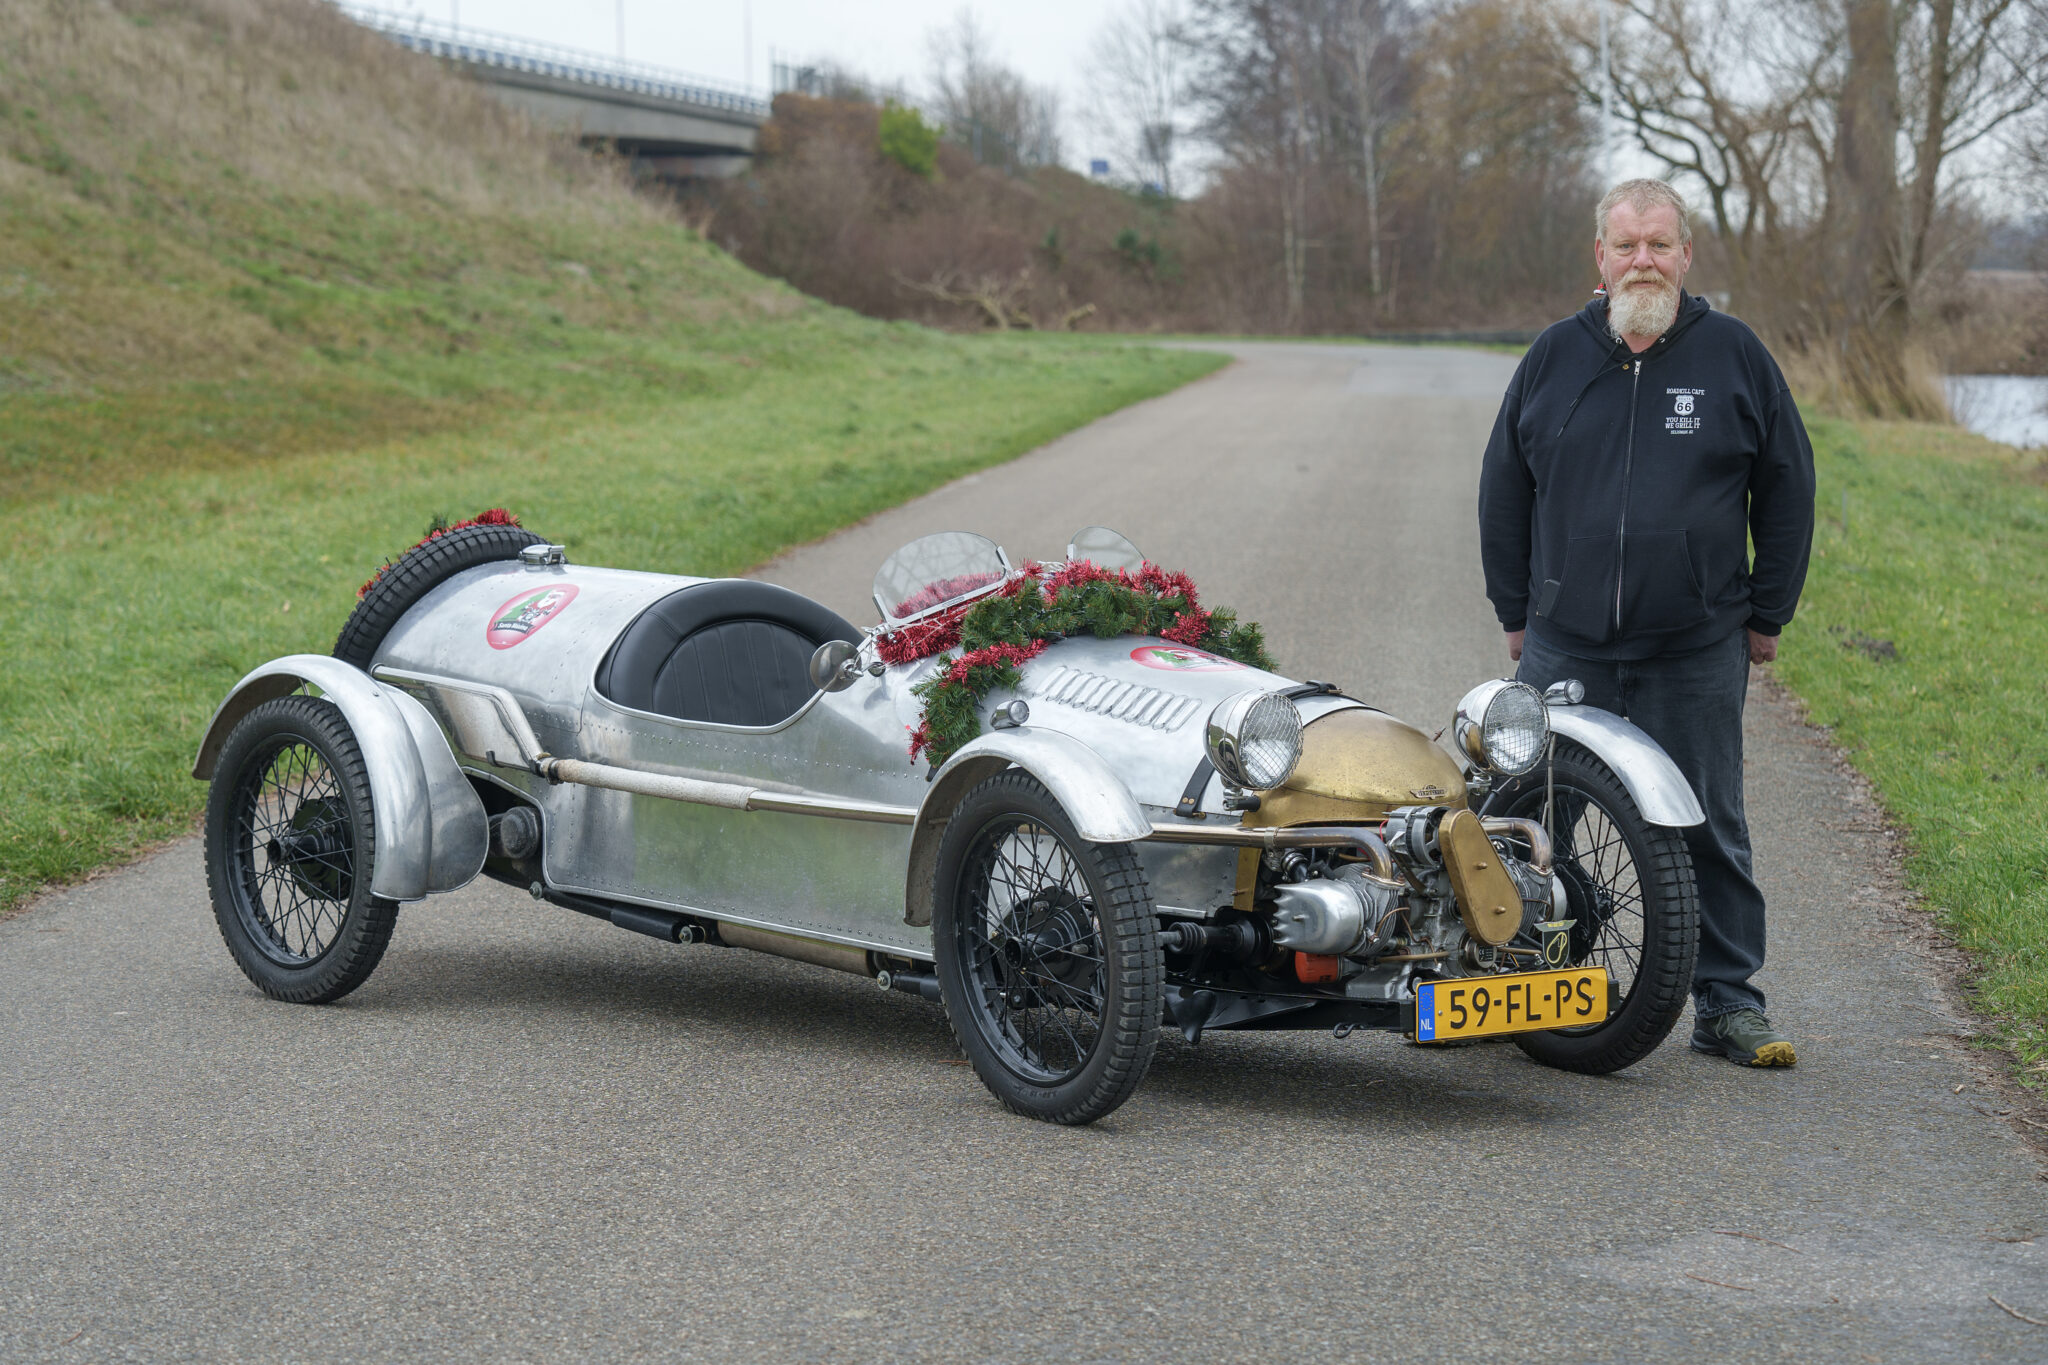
666	925
837	956
922	984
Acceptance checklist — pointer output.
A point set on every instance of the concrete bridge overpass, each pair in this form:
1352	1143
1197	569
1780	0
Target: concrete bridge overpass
673	125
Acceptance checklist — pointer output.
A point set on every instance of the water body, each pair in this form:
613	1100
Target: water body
2012	408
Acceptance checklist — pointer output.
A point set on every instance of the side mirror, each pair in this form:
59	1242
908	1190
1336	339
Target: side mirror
835	666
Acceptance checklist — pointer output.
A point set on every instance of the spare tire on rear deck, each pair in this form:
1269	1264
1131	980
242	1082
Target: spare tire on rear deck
418	572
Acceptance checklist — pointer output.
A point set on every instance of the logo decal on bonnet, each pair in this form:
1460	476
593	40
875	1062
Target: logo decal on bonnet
520	615
1182	659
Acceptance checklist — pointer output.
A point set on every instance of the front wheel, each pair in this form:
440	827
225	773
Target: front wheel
290	848
1630	892
1048	954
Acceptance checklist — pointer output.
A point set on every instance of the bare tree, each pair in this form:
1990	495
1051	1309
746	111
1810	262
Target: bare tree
1968	69
1732	94
1371	35
1261	84
1825	135
985	105
1137	78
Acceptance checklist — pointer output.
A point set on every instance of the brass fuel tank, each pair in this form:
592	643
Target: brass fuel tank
1358	764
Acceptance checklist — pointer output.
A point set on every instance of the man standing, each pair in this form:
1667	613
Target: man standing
1641	447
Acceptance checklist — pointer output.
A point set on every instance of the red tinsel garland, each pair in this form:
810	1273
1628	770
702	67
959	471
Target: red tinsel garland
1102	602
938	633
958	675
1188	628
941	631
496	516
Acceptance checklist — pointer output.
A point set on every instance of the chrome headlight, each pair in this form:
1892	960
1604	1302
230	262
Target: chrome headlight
1255	739
1503	725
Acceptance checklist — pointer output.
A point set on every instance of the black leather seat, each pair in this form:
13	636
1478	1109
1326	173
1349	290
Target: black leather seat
730	651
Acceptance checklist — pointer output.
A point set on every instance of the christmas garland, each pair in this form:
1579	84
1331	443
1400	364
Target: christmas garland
998	635
496	516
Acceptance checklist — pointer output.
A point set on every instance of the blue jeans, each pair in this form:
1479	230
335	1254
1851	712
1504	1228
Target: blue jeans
1691	704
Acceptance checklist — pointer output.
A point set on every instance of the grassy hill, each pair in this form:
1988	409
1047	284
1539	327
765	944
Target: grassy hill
275	293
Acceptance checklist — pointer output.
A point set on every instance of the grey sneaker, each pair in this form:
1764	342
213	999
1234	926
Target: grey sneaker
1744	1037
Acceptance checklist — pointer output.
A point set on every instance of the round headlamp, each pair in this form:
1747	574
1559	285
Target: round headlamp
1503	725
1254	739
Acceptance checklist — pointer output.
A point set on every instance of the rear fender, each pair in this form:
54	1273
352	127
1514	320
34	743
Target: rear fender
432	832
1088	790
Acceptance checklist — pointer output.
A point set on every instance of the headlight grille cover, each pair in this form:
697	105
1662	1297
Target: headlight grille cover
1514	729
1255	739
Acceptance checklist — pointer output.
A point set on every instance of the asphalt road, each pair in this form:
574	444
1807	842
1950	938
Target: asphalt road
532	1135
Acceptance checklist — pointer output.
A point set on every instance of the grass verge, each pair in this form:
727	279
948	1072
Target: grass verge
275	293
1922	643
142	586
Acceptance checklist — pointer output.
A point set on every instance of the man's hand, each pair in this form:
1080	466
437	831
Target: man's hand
1515	645
1762	648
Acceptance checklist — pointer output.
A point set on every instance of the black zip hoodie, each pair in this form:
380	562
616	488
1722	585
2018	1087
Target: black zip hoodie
1620	492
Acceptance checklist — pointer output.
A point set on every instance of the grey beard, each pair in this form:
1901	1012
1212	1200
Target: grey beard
1639	314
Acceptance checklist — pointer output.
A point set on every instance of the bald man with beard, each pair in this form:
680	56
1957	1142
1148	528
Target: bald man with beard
1642	447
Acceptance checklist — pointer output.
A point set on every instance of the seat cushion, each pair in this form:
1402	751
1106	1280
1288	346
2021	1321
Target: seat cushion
730	651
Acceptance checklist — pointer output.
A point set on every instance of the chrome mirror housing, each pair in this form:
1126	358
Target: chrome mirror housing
835	666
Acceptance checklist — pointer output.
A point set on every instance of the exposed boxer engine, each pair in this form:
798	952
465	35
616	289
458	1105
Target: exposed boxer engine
1318	903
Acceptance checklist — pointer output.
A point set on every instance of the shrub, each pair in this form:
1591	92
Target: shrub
908	140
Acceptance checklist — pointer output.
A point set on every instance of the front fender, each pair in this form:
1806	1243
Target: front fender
432	832
1087	788
1660	790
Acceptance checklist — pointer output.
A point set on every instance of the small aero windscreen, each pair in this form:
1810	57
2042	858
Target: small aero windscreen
1104	548
937	571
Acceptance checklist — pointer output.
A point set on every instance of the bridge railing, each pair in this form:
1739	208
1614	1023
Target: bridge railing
475	48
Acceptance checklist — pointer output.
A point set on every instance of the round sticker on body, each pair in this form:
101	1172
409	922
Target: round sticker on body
1182	659
524	613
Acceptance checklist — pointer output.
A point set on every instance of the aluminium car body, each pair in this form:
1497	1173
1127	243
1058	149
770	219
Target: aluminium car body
722	760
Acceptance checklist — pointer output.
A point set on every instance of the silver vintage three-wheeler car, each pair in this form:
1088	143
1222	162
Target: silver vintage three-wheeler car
1143	834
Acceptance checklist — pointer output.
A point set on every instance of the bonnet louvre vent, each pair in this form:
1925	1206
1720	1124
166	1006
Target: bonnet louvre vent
1105	696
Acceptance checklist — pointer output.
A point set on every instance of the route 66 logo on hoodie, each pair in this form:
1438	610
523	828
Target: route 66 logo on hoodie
1682	422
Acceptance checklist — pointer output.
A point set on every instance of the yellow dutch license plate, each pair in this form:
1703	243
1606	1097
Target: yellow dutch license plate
1520	1002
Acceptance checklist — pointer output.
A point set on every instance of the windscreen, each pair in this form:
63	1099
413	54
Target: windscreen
1104	548
937	571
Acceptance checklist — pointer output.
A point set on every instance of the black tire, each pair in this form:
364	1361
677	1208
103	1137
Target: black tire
1631	888
291	843
418	572
1048	954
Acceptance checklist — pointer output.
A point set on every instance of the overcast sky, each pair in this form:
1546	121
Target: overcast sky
1047	41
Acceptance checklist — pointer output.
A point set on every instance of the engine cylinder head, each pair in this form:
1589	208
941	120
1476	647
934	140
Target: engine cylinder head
1345	915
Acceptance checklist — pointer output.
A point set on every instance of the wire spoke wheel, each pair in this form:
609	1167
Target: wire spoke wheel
290	847
1603	888
1630	894
1034	951
1048	954
297	852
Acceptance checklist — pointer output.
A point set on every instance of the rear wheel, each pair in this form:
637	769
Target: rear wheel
290	849
1048	954
1629	889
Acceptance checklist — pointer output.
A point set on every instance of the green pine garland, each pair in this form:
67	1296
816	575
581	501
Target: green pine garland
999	634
